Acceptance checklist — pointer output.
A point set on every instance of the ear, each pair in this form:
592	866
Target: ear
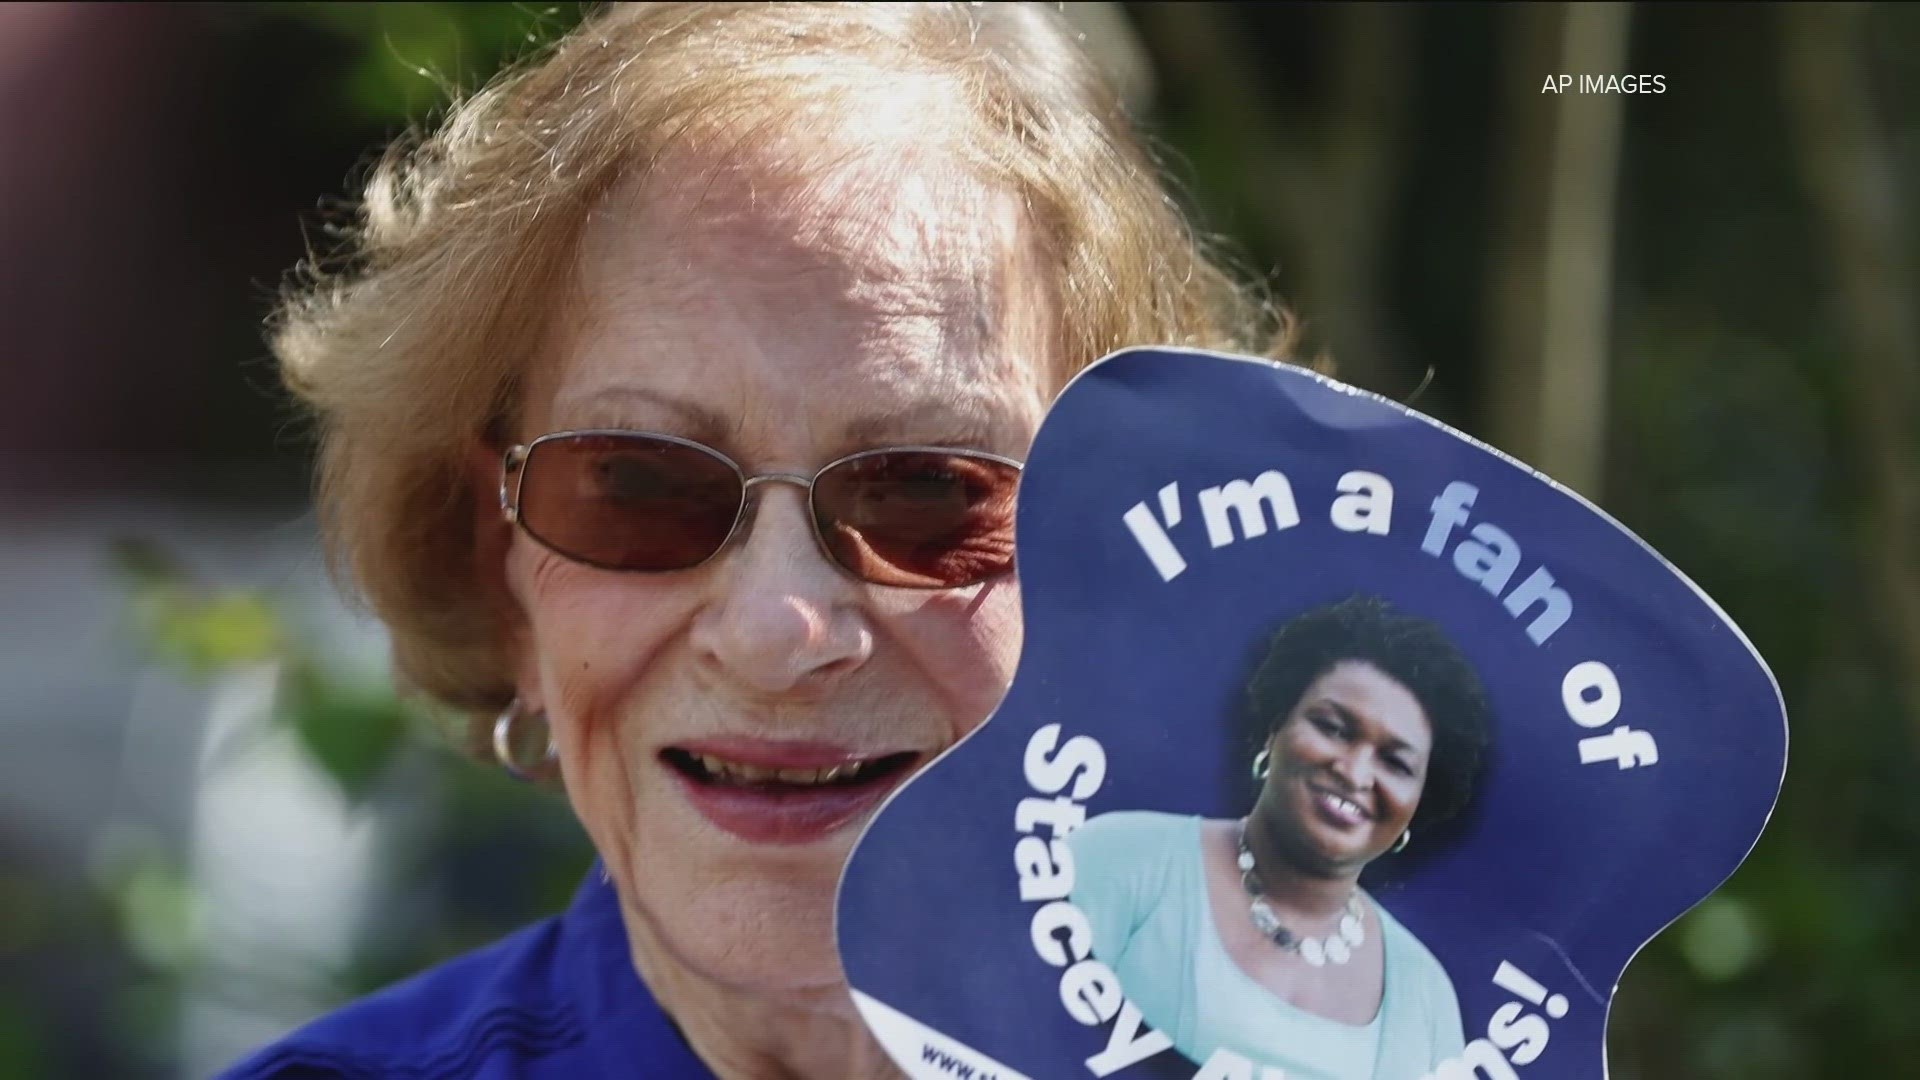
493	537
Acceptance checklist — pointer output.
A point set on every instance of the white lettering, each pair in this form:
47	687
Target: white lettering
1591	694
1153	540
1049	776
1053	920
1539	588
1091	992
1622	745
1061	815
1046	868
1245	499
1521	1033
1129	1043
1449	511
1491	561
1365	505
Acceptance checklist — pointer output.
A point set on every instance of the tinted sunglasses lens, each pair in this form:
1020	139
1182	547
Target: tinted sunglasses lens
919	519
628	502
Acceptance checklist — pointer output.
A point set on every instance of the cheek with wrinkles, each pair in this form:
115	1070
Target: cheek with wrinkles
590	637
967	644
556	602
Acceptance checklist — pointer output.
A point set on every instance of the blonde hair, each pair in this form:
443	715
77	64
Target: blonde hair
414	340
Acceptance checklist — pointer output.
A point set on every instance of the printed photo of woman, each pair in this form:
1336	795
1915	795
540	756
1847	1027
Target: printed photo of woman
1253	935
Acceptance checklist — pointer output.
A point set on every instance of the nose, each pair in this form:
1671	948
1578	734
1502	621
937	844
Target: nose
781	618
1356	768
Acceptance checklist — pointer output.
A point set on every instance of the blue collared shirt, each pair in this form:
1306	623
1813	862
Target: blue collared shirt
556	1000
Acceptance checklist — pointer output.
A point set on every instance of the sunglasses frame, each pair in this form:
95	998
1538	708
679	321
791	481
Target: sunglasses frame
513	475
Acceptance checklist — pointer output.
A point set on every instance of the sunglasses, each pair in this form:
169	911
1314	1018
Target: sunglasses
917	517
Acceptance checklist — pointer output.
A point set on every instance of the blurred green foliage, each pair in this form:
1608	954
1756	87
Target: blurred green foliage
409	58
494	854
351	727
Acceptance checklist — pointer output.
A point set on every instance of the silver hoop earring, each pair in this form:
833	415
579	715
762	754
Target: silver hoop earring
511	732
1400	845
1262	762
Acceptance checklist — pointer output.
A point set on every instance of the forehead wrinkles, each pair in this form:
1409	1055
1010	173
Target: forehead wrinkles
910	242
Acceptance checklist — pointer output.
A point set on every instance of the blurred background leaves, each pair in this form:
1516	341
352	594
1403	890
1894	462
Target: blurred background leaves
1696	307
409	58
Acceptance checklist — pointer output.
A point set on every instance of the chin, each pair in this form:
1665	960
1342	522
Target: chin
759	921
1331	852
740	949
1348	854
796	960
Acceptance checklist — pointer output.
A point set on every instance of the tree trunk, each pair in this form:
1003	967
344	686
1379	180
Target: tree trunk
1553	292
1846	162
1326	196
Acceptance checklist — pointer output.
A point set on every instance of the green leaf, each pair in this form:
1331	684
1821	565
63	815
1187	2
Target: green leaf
1723	939
144	563
157	904
353	731
26	1030
235	628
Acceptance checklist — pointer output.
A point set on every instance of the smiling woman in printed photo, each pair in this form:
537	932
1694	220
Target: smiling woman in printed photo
1253	935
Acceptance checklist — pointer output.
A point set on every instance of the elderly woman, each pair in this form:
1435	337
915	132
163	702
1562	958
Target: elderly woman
1253	936
671	400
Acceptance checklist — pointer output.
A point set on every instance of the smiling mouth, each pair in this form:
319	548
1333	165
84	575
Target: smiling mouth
783	793
1340	809
721	772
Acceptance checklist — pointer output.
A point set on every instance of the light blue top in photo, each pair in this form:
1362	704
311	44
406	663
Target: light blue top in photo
1140	880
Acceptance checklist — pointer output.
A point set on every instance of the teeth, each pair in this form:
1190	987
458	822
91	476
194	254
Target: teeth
1344	806
740	772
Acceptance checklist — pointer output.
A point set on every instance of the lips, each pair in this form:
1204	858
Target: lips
721	770
783	792
1338	810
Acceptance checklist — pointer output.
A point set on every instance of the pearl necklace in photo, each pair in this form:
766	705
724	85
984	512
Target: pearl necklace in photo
1335	948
